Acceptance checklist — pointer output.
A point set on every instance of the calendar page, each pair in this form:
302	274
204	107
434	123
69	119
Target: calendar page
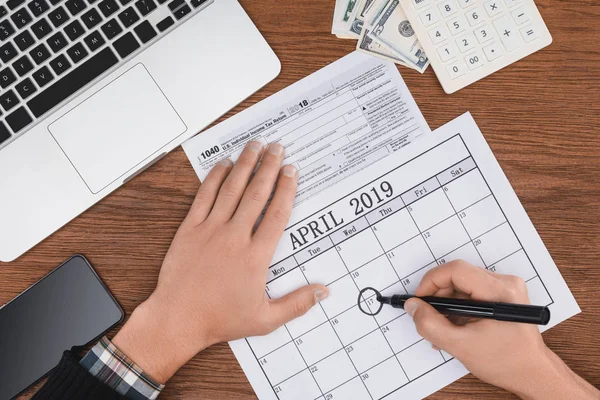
442	198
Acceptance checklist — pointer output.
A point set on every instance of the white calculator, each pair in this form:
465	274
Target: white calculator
467	40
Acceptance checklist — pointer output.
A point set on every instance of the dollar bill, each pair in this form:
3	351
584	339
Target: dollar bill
393	30
338	27
370	46
350	4
358	16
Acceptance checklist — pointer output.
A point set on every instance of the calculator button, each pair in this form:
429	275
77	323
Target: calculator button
512	3
429	17
439	34
493	7
447	52
457	25
508	33
483	34
465	43
474	60
492	51
418	4
447	8
529	33
466	3
475	16
520	15
456	69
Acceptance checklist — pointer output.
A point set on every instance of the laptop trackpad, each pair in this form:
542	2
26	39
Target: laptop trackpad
117	129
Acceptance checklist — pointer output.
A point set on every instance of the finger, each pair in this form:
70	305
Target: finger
516	285
261	186
295	304
278	213
205	198
466	278
232	189
434	327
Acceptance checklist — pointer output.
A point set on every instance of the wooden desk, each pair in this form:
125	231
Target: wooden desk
540	116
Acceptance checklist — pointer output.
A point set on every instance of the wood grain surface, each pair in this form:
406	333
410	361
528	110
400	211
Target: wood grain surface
540	117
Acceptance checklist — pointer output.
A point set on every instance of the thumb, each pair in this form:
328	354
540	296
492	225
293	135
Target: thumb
297	303
433	326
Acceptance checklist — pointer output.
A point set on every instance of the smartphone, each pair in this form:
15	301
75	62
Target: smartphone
67	308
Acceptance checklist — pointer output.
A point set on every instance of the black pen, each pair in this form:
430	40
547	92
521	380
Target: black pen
478	309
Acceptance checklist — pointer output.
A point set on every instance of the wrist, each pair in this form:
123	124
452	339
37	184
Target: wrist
154	340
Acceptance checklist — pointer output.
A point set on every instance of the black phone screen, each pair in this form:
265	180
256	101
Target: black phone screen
69	307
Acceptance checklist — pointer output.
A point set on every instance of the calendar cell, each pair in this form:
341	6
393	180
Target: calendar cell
395	229
431	210
352	325
378	381
497	244
369	351
286	284
466	253
360	249
288	389
262	345
467	190
516	264
354	389
538	295
343	294
389	313
333	371
446	237
401	333
410	256
411	283
282	363
377	274
420	359
482	217
325	268
318	343
446	356
313	318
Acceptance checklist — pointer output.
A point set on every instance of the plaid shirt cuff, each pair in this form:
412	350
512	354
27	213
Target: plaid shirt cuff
115	369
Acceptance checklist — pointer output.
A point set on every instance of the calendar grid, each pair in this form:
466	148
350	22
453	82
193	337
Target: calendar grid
364	230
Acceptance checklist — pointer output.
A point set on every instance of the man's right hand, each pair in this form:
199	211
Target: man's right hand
506	354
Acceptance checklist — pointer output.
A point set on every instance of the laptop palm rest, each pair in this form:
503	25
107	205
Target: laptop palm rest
116	129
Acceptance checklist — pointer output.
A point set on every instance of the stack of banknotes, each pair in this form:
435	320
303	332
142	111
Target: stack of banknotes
382	30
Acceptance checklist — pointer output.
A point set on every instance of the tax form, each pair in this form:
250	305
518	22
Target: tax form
443	197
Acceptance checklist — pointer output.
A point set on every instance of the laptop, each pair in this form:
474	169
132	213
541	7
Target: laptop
95	91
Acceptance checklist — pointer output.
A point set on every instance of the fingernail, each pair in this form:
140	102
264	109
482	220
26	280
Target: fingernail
411	307
226	162
321	295
276	149
290	171
254	146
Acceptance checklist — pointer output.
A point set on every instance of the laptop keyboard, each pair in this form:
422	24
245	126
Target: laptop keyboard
50	49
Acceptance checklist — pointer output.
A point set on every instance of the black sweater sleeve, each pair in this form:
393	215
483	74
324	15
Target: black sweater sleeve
70	381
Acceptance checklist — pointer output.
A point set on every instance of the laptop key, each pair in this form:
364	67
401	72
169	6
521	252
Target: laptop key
72	82
9	100
94	41
60	64
58	17
22	66
74	30
25	88
124	2
8	52
7	77
57	42
197	3
39	54
41	28
126	45
6	29
18	119
182	11
128	17
12	4
4	133
3	11
55	2
75	6
77	53
108	7
174	5
24	40
43	76
145	31
21	18
165	24
91	18
111	29
38	7
145	7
